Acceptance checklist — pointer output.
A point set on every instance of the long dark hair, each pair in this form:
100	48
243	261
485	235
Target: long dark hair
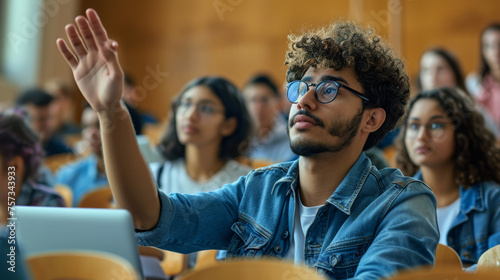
232	146
476	155
452	62
484	68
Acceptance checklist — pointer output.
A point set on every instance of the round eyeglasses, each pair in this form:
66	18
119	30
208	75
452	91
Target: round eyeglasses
325	91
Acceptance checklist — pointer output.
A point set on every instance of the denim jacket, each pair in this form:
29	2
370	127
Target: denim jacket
375	223
477	226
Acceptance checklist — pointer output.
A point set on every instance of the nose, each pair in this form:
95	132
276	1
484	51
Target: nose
422	133
308	100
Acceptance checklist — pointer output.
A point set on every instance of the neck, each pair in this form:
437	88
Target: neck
441	181
321	175
203	162
495	73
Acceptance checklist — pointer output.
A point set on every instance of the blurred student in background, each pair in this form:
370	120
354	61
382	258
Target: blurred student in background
208	130
485	85
87	174
440	68
20	158
38	105
446	143
269	141
62	108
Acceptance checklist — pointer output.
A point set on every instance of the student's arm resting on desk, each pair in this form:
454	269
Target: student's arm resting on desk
99	77
407	236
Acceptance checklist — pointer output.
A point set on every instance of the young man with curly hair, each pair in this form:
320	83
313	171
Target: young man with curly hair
330	209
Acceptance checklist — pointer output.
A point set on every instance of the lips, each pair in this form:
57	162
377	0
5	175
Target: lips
303	119
422	150
189	129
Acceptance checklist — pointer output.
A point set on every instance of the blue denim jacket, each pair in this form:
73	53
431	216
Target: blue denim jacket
375	223
477	226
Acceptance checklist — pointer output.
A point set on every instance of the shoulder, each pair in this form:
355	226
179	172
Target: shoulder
44	196
391	179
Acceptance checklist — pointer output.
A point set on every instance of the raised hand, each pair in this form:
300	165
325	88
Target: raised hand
94	62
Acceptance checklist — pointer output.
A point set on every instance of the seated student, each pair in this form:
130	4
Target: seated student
87	174
37	102
446	144
62	108
440	68
269	141
208	129
330	209
20	158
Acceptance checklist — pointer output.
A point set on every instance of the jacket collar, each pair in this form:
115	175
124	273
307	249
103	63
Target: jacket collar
347	191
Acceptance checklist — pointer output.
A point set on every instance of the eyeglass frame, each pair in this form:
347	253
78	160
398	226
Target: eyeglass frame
197	108
413	134
339	85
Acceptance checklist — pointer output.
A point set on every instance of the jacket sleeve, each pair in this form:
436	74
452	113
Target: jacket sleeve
200	221
407	236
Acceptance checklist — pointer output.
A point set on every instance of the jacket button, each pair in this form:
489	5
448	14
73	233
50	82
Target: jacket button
277	249
334	260
284	235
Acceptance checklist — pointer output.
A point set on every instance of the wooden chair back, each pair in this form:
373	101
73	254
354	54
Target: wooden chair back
251	270
447	257
80	265
490	260
98	198
57	161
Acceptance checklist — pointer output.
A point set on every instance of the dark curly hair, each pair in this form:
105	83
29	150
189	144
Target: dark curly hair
17	139
232	146
344	44
476	155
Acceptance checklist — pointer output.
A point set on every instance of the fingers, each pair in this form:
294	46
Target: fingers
97	28
67	54
75	41
111	57
86	33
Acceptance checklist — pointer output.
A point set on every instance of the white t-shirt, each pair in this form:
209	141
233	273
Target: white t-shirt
304	217
175	179
445	217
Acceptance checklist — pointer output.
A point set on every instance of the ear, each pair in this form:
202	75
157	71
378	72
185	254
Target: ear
228	127
374	118
17	163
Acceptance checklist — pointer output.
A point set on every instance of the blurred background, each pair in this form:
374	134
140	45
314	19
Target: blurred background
165	43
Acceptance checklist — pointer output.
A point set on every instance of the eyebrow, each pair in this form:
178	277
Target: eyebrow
202	101
436	117
325	78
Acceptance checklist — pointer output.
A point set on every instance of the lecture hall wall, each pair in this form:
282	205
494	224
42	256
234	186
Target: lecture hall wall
238	38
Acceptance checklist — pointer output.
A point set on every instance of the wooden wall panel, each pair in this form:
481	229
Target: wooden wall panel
190	38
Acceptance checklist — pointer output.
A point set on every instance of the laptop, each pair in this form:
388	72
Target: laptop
48	229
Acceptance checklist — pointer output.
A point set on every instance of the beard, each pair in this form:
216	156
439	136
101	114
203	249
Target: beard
345	130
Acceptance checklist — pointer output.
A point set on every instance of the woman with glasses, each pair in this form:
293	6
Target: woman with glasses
446	144
208	129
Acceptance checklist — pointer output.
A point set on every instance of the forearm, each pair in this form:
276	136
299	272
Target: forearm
128	174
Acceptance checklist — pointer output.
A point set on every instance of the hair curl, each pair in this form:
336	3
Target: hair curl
476	155
345	44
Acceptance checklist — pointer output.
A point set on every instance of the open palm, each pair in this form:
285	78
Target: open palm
94	62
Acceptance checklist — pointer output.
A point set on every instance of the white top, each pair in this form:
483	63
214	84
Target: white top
445	217
303	218
175	179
